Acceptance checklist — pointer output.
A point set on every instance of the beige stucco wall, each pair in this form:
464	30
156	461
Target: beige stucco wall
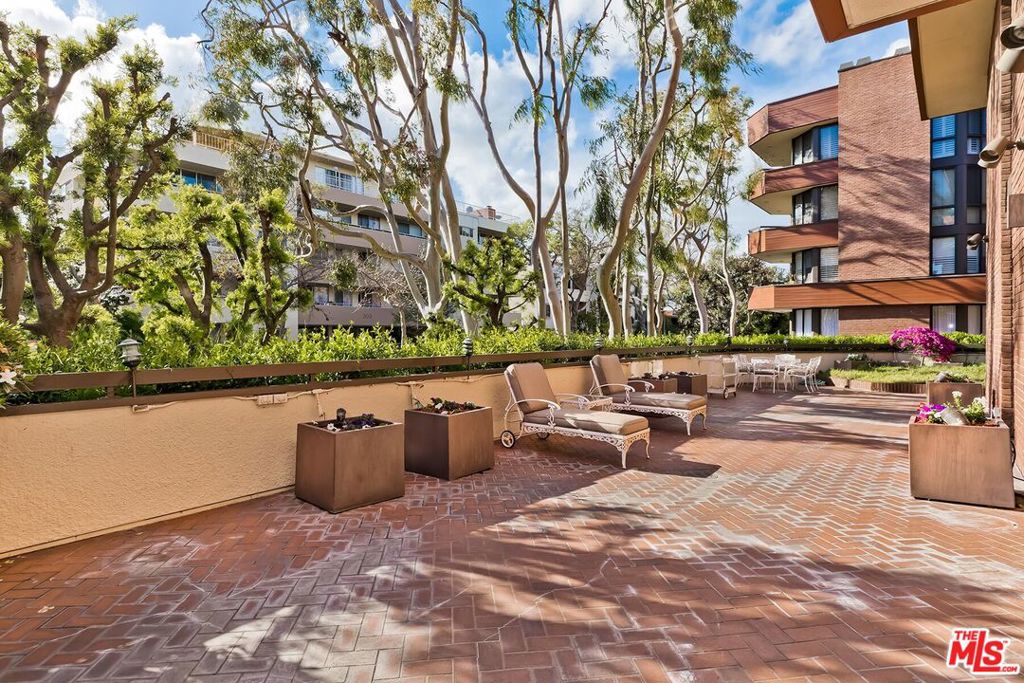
79	473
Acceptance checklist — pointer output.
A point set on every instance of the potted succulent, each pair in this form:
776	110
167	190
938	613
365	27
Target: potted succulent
448	440
349	462
958	453
691	383
664	383
940	390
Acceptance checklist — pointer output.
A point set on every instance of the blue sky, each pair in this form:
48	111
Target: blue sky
783	36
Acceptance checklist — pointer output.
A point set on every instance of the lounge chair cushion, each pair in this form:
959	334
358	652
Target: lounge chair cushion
591	421
528	380
608	370
653	398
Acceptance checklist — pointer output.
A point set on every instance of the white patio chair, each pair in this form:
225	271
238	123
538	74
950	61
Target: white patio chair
806	373
540	413
764	371
744	369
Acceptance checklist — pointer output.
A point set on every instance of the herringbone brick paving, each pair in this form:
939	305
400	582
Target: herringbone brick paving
780	544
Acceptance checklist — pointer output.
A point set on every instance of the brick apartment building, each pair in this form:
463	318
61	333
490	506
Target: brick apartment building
881	202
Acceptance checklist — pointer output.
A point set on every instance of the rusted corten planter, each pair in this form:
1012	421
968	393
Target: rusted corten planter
692	384
338	471
449	446
661	386
942	392
961	464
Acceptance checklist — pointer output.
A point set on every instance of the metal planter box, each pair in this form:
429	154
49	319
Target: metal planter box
661	386
692	384
961	464
942	392
338	471
449	446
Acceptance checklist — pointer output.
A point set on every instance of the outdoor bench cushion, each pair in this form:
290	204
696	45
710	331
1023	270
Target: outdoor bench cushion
591	421
653	398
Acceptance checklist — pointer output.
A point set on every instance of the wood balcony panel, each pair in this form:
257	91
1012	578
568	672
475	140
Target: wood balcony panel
777	186
950	289
776	244
772	128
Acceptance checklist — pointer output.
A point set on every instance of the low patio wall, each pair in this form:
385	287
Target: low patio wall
78	473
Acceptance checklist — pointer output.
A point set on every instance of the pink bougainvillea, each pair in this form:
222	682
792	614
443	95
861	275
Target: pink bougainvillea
924	343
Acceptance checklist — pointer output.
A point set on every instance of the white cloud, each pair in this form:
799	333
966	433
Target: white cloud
181	54
795	38
897	44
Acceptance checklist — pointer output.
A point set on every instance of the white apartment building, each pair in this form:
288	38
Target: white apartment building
205	159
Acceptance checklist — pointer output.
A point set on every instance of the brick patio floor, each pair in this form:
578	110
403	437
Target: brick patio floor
780	544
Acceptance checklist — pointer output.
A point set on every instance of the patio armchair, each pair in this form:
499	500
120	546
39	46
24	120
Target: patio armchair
610	380
541	413
807	373
763	371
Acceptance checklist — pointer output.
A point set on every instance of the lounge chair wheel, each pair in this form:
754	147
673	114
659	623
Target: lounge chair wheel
543	436
508	439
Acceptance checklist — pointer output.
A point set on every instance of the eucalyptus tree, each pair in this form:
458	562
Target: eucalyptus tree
676	73
552	60
62	201
368	80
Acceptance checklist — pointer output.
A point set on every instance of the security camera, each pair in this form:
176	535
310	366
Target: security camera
1012	36
976	240
993	152
1011	61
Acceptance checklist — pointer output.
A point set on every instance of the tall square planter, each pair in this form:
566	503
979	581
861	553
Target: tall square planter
961	464
449	446
667	385
942	392
338	471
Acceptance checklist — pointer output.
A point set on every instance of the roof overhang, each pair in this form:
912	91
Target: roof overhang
952	57
843	18
951	41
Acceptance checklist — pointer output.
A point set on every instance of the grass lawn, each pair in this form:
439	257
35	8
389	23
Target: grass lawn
898	373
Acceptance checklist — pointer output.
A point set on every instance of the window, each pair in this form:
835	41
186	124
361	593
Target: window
207	182
818	143
943	255
975	131
829	269
465	231
944	318
410	230
830	322
320	295
975	319
943	196
803	322
798	267
973	259
829	142
332	217
829	203
343	298
369	222
944	137
975	195
816	204
343	181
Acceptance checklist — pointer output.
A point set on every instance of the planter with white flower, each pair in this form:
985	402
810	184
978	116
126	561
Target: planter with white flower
449	440
10	375
959	454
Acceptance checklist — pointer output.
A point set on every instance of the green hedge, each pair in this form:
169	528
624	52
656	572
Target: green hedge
914	375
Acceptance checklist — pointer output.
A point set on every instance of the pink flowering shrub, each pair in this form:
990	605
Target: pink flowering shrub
923	343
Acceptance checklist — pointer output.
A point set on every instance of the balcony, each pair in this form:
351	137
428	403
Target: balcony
776	244
772	128
333	315
950	289
775	189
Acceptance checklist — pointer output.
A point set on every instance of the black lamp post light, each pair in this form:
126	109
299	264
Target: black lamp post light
131	356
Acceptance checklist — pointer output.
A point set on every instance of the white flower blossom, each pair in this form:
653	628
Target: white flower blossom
9	377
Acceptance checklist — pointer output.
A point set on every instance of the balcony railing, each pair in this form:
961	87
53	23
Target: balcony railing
217	142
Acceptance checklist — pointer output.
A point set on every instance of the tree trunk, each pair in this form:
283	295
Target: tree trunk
14	272
632	193
732	289
698	300
652	312
627	300
401	327
564	280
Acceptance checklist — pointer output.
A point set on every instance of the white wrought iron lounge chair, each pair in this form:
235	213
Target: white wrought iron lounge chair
540	413
610	380
806	373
